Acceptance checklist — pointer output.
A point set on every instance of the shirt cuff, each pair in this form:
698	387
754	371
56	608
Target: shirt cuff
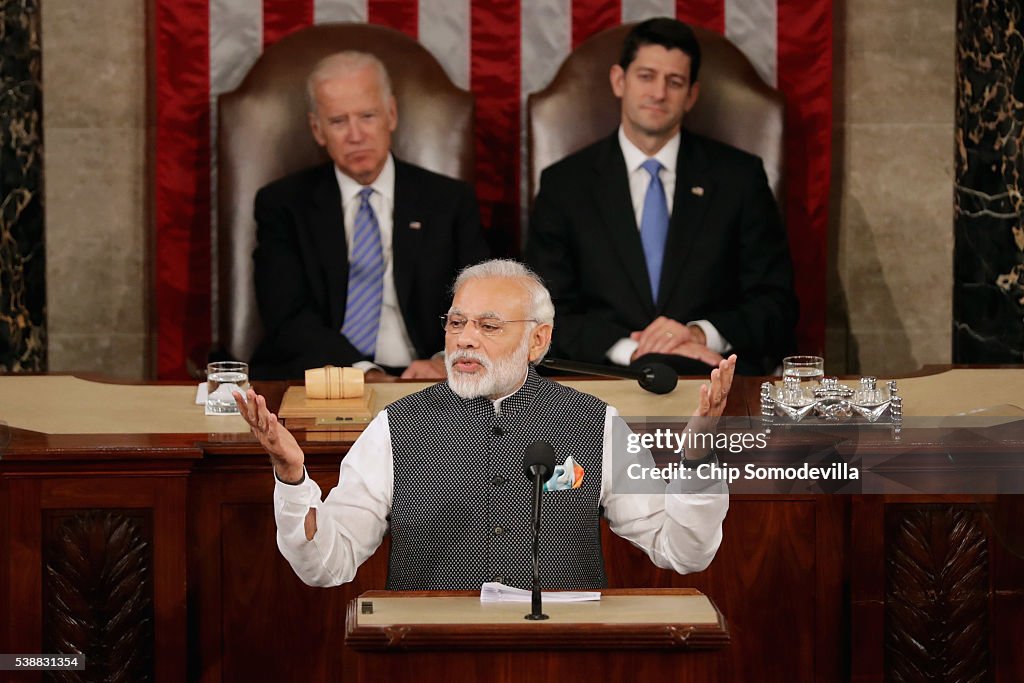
713	340
621	352
711	457
299	494
700	479
366	366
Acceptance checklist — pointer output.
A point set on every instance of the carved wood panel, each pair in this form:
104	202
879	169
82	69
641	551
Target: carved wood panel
937	595
98	592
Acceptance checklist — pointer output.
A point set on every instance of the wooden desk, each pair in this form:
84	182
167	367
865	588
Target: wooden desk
441	635
814	587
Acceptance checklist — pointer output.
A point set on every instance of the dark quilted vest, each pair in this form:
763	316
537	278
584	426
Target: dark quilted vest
461	509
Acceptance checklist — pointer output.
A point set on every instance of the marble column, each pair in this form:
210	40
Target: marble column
22	253
988	271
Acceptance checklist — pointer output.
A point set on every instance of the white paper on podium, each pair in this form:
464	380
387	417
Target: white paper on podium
499	592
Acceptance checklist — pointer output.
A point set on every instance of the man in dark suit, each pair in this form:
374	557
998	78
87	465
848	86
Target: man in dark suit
659	241
354	257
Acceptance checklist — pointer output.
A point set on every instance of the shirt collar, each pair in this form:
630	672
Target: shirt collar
666	156
485	408
497	402
384	183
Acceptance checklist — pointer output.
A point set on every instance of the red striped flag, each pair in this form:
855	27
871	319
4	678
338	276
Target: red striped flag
502	51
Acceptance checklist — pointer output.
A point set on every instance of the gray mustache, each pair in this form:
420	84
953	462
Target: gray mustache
473	356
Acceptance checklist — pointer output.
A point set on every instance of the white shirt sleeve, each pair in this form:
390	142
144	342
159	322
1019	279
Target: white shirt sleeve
621	352
713	339
679	529
351	522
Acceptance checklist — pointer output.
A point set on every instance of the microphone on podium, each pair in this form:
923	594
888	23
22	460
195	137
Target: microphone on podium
539	461
656	378
539	465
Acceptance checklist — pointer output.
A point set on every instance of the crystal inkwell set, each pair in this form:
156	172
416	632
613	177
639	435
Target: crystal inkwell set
807	396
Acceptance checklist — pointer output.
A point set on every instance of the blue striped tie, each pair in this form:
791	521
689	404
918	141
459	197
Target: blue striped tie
365	279
654	224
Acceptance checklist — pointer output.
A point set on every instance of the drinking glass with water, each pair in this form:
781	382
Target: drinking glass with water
222	378
806	371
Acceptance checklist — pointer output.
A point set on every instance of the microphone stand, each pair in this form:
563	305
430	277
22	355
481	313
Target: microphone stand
535	613
656	378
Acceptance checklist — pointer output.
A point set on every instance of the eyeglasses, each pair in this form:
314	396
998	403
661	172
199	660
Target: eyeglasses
488	327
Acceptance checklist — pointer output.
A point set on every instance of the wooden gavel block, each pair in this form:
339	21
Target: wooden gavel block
333	382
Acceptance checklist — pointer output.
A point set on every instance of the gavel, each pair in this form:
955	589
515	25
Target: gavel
333	382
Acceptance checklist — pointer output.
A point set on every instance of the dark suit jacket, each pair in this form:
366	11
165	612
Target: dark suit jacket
301	264
726	257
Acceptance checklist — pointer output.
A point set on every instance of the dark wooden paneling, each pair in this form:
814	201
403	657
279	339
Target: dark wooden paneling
98	590
25	561
531	666
7	605
47	491
255	619
867	588
1007	572
937	595
767	558
934	590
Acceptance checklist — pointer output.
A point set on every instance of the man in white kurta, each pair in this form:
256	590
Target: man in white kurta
438	469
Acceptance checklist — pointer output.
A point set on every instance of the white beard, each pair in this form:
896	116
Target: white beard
496	379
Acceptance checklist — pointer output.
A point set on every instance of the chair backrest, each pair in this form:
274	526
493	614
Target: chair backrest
263	134
578	107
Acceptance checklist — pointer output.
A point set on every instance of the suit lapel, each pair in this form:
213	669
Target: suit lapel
616	205
693	194
405	239
327	222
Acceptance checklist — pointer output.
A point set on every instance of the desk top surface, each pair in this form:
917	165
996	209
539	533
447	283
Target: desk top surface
62	404
65	413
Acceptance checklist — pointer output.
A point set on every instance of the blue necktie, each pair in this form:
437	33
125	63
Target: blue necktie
654	225
365	279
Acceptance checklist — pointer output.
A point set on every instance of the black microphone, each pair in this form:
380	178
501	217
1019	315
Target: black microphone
656	378
539	461
538	464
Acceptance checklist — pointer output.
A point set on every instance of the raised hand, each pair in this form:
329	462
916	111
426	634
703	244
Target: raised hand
711	405
277	441
714	398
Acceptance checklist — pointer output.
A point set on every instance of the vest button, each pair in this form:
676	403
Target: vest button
498	480
498	531
497	430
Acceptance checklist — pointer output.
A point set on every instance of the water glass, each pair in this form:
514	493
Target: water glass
807	370
222	378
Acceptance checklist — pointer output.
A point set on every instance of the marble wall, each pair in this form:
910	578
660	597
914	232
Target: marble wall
94	75
22	250
988	299
891	234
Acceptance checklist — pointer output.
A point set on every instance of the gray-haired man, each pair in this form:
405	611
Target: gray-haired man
441	469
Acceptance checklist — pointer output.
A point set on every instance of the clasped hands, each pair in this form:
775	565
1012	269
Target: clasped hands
665	335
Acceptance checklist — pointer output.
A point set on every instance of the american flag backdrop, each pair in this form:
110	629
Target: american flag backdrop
502	50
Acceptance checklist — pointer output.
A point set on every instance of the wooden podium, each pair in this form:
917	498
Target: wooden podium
641	634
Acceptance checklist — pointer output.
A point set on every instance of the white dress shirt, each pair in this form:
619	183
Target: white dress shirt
639	180
394	348
678	530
